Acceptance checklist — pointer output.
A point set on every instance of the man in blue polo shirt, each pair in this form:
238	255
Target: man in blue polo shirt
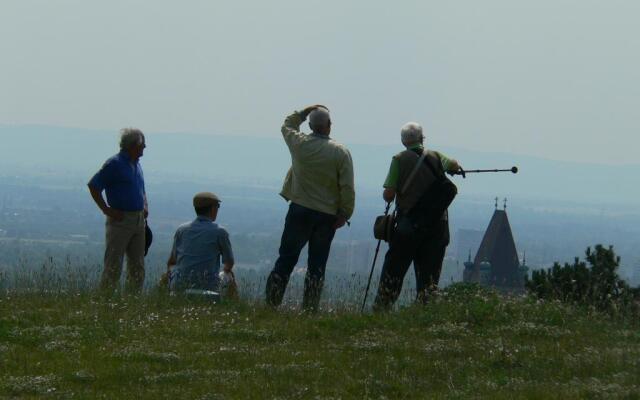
198	248
122	180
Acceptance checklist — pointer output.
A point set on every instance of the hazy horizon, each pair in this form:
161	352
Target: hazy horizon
62	153
150	135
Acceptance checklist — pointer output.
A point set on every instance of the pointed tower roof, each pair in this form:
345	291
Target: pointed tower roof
499	249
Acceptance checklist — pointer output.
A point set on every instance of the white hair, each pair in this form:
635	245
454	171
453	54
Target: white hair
130	137
411	134
319	118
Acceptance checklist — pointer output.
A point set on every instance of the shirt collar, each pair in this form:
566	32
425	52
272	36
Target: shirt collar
202	218
325	137
124	155
417	146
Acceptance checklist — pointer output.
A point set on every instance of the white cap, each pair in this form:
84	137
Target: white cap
319	118
411	133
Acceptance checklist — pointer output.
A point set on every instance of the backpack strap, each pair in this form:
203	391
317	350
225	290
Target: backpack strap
413	172
433	171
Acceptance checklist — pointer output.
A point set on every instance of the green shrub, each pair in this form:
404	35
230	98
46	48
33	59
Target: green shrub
592	282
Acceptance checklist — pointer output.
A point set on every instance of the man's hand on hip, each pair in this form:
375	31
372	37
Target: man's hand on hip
113	213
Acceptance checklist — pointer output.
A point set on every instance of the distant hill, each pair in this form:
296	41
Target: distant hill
557	209
264	161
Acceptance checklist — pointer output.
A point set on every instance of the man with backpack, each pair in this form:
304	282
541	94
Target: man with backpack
417	183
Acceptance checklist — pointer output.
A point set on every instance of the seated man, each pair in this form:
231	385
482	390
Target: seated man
198	247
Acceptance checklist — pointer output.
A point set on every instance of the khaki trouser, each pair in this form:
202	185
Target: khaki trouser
124	237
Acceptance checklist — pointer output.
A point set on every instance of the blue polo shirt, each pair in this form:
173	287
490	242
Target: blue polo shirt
123	182
198	247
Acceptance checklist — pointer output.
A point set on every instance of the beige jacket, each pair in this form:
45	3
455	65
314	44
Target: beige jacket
321	173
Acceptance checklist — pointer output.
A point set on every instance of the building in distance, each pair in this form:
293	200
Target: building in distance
466	242
496	263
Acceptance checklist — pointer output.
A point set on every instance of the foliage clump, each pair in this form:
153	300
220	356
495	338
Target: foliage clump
593	282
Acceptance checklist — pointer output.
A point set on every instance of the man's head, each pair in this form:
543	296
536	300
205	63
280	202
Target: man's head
411	134
206	204
132	141
320	121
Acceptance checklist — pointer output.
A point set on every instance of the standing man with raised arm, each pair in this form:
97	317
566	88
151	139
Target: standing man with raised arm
320	187
126	208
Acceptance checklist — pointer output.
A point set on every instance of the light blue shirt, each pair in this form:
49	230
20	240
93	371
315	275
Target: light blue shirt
199	245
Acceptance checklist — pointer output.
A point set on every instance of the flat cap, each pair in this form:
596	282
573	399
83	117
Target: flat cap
205	199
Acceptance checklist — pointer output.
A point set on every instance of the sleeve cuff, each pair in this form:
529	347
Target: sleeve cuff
343	213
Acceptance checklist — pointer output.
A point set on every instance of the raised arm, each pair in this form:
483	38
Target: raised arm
291	126
454	167
449	165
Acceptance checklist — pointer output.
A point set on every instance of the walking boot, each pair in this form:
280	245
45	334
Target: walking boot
276	286
312	293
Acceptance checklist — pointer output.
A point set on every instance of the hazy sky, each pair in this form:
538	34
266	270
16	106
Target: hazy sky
553	78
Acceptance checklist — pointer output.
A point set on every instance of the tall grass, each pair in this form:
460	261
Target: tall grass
54	275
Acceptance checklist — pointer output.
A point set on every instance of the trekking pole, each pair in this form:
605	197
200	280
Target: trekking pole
476	171
375	257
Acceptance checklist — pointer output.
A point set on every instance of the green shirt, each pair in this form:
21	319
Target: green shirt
394	170
321	173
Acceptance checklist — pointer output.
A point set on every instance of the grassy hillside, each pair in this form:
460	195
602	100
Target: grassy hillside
466	343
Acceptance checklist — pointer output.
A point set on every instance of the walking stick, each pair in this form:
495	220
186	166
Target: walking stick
475	171
375	257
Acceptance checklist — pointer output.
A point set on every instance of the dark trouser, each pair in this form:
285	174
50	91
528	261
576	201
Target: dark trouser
302	226
426	250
